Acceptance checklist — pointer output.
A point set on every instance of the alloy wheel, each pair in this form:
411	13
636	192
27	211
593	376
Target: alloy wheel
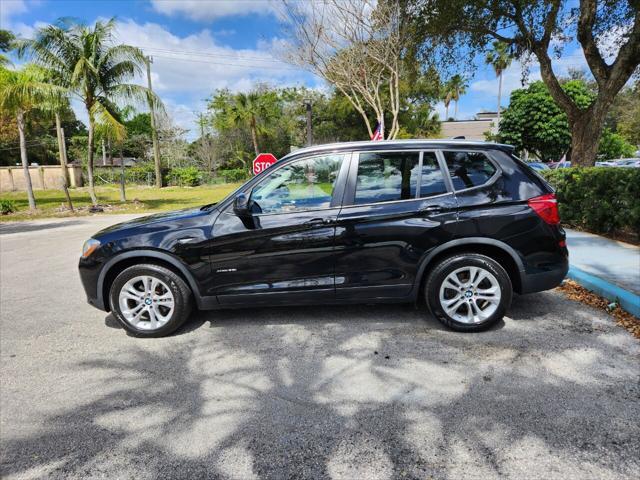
470	295
146	302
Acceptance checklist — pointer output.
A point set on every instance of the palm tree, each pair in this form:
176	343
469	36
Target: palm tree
109	132
20	92
457	85
446	98
87	61
252	110
499	58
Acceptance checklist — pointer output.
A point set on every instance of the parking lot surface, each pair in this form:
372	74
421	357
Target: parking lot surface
371	392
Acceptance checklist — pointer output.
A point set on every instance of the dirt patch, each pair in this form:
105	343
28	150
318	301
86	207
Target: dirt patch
573	291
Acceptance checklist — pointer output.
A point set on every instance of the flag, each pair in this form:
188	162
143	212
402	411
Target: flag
378	134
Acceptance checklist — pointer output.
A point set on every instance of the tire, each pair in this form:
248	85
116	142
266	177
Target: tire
457	308
149	300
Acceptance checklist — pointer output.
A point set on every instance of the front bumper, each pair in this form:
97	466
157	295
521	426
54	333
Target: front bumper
89	273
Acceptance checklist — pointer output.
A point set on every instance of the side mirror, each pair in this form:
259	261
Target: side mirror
241	205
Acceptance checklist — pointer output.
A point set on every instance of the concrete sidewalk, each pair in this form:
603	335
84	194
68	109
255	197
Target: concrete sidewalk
608	267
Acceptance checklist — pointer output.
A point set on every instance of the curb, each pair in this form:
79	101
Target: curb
629	301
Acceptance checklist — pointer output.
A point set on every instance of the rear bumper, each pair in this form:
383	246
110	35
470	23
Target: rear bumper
551	278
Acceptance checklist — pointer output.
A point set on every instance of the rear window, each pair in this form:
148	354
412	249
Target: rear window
468	169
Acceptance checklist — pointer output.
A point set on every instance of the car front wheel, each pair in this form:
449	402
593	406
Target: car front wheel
149	300
468	292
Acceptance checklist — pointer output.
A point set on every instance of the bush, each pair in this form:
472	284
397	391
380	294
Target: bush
143	173
598	199
234	175
7	206
186	176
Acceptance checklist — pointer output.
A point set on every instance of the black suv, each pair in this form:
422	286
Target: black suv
460	224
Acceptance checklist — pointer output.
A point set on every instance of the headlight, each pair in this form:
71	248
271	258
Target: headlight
89	247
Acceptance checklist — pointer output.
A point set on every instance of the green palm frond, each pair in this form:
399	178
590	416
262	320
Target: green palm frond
109	124
132	94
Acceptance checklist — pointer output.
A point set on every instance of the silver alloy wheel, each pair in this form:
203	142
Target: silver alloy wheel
470	294
146	302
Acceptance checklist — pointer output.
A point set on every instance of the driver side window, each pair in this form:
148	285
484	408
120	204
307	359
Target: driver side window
301	185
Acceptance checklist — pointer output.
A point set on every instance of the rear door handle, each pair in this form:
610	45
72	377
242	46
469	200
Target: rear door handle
319	221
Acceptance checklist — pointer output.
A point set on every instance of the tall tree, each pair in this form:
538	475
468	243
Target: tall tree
254	110
446	95
95	69
457	86
357	46
608	32
22	91
533	122
499	57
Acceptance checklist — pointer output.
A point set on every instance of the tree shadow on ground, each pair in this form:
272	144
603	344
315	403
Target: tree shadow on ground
355	392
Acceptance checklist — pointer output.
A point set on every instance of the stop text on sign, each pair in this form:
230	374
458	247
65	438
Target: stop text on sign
262	162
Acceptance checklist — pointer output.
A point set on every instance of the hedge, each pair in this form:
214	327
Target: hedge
598	199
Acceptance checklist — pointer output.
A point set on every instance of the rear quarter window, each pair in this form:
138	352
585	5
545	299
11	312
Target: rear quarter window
468	169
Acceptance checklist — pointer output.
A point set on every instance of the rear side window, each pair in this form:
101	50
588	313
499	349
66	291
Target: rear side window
385	177
431	179
468	169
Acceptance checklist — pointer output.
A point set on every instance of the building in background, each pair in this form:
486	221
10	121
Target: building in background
471	129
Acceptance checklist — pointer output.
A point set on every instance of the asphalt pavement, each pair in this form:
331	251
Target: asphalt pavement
370	392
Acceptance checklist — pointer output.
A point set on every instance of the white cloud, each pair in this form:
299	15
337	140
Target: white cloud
186	70
207	10
8	10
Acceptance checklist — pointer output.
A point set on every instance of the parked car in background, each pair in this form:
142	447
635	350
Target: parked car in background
538	165
460	225
628	162
563	164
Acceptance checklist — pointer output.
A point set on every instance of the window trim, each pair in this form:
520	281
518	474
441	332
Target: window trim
337	191
350	189
486	154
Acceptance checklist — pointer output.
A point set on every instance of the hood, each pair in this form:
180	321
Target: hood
174	218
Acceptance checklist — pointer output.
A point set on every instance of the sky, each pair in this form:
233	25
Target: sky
201	45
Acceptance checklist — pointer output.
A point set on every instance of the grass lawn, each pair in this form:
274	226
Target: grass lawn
140	199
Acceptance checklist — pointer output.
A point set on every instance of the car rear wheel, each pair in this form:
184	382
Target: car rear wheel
150	300
468	292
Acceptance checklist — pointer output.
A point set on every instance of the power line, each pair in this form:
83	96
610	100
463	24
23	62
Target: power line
212	54
245	65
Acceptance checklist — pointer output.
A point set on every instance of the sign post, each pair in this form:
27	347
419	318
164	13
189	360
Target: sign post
262	162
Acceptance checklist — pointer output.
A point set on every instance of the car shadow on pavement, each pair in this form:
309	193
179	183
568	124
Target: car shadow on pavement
410	314
343	392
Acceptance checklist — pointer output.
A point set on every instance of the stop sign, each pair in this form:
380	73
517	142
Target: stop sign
262	162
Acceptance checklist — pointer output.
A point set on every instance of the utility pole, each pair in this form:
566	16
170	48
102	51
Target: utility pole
307	103
154	133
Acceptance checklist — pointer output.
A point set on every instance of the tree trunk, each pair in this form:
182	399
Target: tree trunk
123	195
92	190
455	112
585	137
499	96
254	136
25	162
109	152
104	153
446	114
63	162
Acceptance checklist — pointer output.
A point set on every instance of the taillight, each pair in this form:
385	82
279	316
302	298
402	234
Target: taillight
546	206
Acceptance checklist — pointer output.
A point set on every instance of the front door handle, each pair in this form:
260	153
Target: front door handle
431	209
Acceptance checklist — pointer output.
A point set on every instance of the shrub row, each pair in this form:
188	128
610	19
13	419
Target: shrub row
598	199
144	174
